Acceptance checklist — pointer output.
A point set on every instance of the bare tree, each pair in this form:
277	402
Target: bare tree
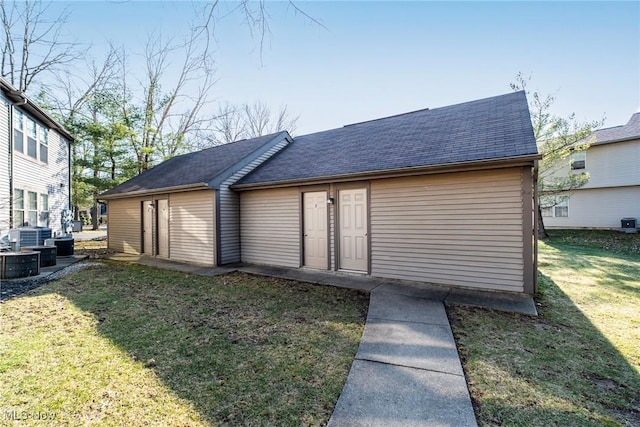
76	97
32	43
233	123
163	120
259	120
228	125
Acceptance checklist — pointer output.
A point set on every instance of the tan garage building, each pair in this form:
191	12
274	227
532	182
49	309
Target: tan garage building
442	196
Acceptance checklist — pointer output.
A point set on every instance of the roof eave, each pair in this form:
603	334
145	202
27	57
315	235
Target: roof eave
18	97
611	141
388	173
155	191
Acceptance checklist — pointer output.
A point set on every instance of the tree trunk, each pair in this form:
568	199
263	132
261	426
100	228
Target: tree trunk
96	213
542	232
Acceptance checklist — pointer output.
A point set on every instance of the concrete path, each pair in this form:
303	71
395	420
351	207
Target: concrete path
407	371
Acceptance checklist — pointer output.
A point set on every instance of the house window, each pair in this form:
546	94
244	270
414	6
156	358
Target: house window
578	160
32	208
32	138
18	208
43	139
43	217
561	210
18	131
547	212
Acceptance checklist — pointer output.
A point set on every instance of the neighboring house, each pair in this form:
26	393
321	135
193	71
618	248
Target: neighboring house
35	180
613	190
441	196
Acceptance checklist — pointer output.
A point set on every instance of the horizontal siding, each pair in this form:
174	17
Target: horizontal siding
229	225
462	229
608	165
599	208
270	232
612	165
4	166
230	208
50	178
125	219
191	227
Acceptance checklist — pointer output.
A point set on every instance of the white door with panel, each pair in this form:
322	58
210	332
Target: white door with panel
353	219
147	227
315	229
163	228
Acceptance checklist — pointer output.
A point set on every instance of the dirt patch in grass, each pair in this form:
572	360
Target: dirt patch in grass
128	344
94	248
578	362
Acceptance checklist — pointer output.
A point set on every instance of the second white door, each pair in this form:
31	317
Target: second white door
354	247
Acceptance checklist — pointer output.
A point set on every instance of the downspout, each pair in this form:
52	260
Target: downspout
69	172
535	226
11	137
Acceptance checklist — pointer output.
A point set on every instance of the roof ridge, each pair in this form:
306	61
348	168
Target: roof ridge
387	117
610	127
437	108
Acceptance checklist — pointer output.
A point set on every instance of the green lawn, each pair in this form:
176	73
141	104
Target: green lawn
578	363
121	344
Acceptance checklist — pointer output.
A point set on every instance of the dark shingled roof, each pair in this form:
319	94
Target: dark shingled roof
619	133
193	168
486	129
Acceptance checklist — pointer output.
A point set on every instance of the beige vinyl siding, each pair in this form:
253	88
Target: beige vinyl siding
462	229
124	232
191	227
270	232
599	208
230	208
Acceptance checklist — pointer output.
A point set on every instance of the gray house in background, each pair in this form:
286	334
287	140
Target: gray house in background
441	196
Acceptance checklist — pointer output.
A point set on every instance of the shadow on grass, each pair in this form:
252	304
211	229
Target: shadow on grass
241	349
556	369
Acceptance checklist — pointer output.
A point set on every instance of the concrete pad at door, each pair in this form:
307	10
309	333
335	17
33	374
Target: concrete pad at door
418	290
406	309
415	345
377	394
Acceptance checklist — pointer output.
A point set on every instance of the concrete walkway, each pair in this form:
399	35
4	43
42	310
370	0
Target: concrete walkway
407	371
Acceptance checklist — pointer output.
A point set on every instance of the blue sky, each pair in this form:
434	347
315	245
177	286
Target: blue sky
376	59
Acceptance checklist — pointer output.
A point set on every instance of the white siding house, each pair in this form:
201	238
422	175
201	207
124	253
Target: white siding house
613	190
35	180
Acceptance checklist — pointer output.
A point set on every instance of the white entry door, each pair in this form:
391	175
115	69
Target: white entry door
315	229
354	247
147	227
163	228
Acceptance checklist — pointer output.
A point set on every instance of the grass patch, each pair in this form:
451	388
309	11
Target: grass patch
578	363
123	344
611	241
